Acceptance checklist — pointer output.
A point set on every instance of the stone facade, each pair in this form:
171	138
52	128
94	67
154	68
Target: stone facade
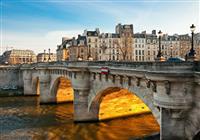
124	45
45	57
18	57
62	52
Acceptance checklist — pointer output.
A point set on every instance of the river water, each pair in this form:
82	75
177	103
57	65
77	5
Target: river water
23	118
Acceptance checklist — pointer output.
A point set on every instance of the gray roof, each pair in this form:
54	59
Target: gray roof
92	33
138	35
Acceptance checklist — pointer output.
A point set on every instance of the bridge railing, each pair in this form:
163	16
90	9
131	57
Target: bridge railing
157	66
153	66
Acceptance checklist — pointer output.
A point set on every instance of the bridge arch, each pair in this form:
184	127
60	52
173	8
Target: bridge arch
61	89
147	100
36	85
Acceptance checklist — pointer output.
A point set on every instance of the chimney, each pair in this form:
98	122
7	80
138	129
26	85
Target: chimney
154	32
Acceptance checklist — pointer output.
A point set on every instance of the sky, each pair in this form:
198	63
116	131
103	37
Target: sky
41	24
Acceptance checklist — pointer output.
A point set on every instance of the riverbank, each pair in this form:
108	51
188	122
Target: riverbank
11	92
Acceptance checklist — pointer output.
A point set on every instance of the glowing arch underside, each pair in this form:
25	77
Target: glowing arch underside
121	103
65	92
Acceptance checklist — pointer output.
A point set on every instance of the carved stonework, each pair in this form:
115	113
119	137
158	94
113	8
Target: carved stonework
138	81
153	85
167	87
188	87
121	79
129	81
177	113
113	78
148	83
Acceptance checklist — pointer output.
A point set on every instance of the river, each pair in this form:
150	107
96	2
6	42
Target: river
24	118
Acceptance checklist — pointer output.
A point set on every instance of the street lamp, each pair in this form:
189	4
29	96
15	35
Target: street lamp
171	47
49	55
192	51
89	55
159	51
160	57
44	55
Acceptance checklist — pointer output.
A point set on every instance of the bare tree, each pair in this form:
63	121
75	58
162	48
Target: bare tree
124	45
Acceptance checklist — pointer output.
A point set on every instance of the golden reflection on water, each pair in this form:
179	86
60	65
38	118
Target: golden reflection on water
25	118
121	103
65	92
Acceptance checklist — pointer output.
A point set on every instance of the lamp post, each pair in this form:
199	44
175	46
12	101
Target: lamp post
159	57
49	55
159	51
192	51
171	47
44	55
117	55
89	55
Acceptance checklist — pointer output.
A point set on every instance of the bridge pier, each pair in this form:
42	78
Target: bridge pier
27	79
81	111
174	99
172	125
81	84
45	96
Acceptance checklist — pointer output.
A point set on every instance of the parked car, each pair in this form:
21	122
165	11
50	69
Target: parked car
175	59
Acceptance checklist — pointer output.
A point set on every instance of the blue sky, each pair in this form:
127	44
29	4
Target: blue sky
40	24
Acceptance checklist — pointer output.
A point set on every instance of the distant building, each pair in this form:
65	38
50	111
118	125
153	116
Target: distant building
18	57
109	47
151	48
62	52
139	47
197	45
185	44
45	57
92	43
126	40
124	45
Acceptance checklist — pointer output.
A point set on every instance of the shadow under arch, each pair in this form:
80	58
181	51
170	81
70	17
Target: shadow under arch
62	90
36	86
95	105
197	136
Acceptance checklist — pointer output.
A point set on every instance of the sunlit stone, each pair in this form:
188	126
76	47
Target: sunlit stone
122	103
65	91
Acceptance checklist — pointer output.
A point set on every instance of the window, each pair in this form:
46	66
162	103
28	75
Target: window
162	46
136	52
139	52
142	52
113	57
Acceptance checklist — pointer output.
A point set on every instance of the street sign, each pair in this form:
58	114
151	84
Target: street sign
104	70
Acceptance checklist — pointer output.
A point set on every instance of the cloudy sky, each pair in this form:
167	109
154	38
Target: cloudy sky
40	24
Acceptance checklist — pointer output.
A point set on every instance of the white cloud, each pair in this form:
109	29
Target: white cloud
37	42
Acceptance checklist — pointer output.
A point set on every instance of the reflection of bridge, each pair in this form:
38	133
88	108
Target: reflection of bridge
170	90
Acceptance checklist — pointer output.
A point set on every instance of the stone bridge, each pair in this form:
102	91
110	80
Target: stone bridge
170	90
